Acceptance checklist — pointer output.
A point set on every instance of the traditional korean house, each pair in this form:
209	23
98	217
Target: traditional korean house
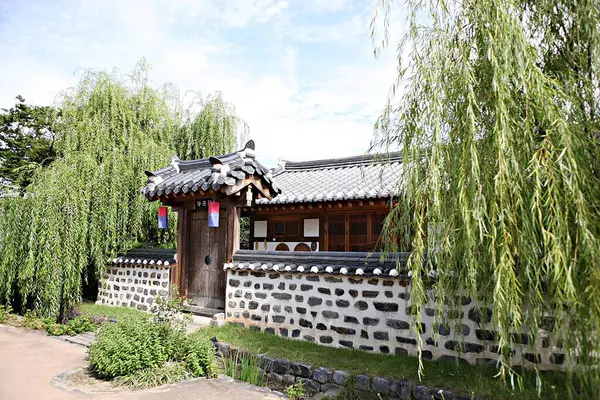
313	270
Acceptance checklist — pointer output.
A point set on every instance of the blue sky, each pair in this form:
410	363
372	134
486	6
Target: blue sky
301	73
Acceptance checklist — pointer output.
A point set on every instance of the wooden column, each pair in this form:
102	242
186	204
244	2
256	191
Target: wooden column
233	227
182	250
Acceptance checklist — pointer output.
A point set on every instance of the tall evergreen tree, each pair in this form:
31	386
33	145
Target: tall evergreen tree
26	142
497	117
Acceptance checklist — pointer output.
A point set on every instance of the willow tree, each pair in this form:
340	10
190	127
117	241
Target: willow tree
86	206
496	113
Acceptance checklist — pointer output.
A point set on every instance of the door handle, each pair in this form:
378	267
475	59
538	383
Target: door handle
207	259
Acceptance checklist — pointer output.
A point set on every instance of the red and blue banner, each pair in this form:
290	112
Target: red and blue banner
213	214
163	222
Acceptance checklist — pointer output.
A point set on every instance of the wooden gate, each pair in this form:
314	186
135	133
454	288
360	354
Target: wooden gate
206	281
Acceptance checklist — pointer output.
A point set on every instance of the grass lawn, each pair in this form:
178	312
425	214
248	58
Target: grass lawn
98	310
443	374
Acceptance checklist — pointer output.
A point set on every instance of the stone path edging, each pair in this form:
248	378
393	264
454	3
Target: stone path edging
323	382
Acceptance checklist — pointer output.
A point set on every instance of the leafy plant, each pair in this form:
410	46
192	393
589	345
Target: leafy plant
168	310
295	391
5	310
243	366
127	347
169	372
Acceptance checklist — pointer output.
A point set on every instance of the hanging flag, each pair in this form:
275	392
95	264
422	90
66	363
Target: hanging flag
213	214
162	217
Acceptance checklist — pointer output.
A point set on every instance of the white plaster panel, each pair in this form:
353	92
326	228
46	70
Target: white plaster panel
271	245
311	227
260	229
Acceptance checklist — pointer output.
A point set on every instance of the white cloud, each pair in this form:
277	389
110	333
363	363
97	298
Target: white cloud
297	105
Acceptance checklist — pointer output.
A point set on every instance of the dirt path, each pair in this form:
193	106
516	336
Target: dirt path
30	360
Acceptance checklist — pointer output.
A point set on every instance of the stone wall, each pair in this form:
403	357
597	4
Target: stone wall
370	314
134	286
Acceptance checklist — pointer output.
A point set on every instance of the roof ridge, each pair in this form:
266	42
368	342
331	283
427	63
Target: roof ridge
351	161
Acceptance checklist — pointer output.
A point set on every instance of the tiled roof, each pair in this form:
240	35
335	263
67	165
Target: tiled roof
341	263
160	257
208	173
362	177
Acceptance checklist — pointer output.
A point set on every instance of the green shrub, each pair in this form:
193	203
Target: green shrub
295	391
126	347
4	311
71	328
199	356
169	372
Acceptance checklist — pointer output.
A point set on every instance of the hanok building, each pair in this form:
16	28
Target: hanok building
313	271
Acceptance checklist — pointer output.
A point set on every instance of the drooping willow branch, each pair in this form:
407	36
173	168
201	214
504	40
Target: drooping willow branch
497	119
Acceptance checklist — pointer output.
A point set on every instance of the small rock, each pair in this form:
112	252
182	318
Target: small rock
381	385
309	385
401	389
289	379
420	392
362	382
340	377
281	366
301	370
273	377
322	375
265	362
329	386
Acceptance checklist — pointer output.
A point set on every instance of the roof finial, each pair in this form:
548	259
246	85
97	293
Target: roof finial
250	145
175	163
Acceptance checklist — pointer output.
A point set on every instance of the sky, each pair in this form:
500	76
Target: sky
301	73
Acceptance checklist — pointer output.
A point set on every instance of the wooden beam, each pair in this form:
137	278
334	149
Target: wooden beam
233	228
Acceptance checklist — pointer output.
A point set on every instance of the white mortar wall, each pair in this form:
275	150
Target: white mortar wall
361	313
133	286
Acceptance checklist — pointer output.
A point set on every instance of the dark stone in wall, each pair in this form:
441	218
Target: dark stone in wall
427	355
370	321
370	293
305	323
483	315
282	296
234	283
242	273
373	281
247	283
321	327
270	331
328	303
313	313
296	333
453	359
281	286
342	303
346	343
293	286
384	349
484	334
265	307
364	334
257	286
288	309
301	310
232	304
353	293
342	330
401	389
388	283
431	342
248	295
420	392
430	311
310	385
401	339
496	349
386	307
281	366
268	286
444	330
339	292
253	305
397	324
273	276
547	323
381	385
288	277
330	314
400	350
355	281
350	320
388	294
324	290
255	328
283	332
299	298
309	338
305	288
361	305
256	317
381	336
242	304
521	338
326	339
278	319
404	296
556	358
313	278
366	348
314	301
277	308
331	279
258	274
533	358
322	375
246	314
464	347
